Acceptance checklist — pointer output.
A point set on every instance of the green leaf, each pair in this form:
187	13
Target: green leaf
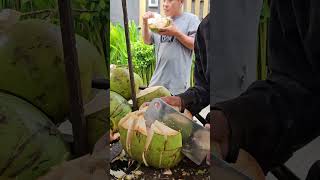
102	4
85	16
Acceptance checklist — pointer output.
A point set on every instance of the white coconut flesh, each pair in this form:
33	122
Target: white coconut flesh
158	21
134	123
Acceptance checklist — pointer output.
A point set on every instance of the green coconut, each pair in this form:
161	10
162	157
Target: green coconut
97	115
150	93
158	22
120	82
119	108
32	66
159	148
30	143
139	80
97	126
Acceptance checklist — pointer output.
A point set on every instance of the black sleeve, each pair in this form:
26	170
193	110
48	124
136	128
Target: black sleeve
198	97
274	118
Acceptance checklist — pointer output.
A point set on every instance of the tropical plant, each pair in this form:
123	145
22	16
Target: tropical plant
142	55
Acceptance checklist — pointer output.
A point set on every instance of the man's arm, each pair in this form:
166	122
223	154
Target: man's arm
146	34
185	40
147	37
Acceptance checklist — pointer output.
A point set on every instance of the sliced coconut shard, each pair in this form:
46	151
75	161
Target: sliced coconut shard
158	146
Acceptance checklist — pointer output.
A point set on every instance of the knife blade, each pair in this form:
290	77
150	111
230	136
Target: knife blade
195	138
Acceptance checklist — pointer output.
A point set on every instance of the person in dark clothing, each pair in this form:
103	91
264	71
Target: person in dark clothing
275	117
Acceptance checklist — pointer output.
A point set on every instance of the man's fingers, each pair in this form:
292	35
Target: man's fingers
148	15
167	99
151	15
161	30
172	100
114	136
145	104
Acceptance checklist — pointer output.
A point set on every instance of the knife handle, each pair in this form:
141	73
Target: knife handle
201	119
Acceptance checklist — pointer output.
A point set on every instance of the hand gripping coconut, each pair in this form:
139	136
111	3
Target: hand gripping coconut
158	22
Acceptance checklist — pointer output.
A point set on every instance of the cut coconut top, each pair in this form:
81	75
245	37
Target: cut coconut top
148	90
158	21
140	125
155	18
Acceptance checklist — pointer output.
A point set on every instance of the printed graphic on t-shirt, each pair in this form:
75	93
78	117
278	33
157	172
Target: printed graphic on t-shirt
165	38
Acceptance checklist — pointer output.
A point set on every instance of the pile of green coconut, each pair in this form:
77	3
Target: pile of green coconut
34	96
158	148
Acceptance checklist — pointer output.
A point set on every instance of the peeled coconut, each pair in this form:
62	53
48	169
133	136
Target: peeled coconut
32	66
158	22
159	147
30	143
120	82
119	108
150	93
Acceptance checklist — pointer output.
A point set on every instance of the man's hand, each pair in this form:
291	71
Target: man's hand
173	101
147	16
172	30
169	31
114	136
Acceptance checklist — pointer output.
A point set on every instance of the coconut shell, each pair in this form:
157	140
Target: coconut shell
32	66
120	82
150	93
119	108
157	23
97	126
30	143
